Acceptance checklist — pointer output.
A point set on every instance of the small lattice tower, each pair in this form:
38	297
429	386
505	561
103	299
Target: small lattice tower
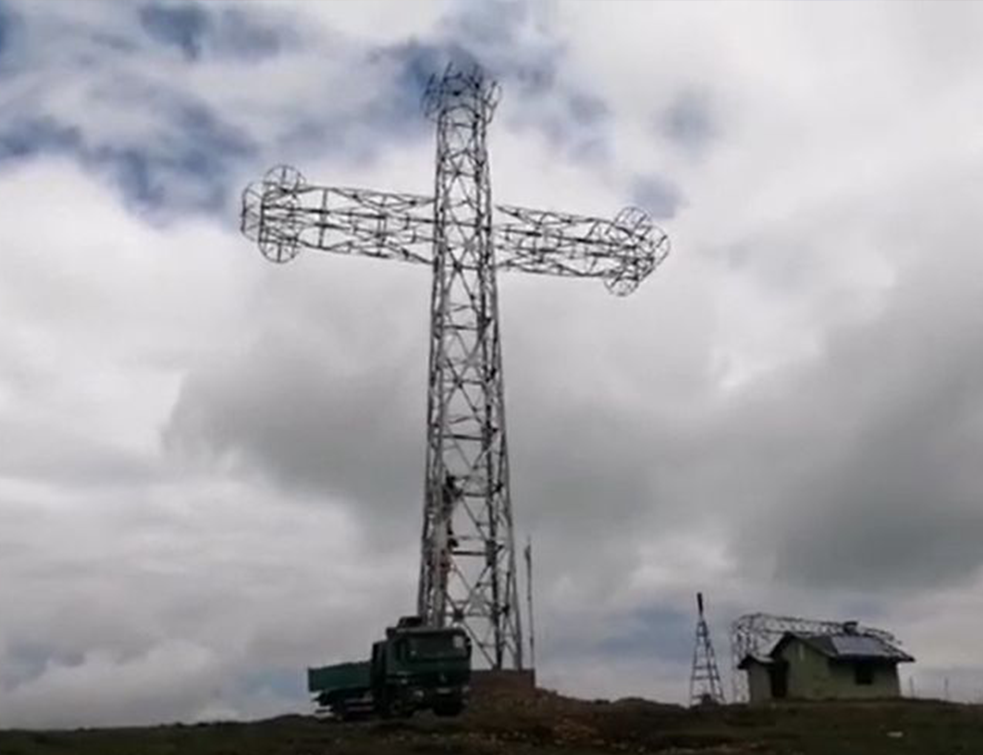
704	681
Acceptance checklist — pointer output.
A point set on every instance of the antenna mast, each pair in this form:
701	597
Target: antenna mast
529	611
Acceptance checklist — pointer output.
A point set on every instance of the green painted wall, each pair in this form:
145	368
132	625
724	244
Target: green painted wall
843	682
812	676
758	683
808	672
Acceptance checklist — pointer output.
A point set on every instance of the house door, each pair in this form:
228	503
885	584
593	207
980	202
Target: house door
778	676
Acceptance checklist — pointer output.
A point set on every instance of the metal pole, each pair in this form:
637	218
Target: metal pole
529	611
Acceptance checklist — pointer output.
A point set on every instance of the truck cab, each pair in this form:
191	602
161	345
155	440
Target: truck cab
419	667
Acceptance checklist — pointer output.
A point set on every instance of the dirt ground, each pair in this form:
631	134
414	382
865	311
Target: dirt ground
548	723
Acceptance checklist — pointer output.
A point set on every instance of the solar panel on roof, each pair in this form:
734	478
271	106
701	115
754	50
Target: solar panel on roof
861	645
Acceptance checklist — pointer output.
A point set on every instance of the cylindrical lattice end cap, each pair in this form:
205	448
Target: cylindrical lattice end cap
270	213
642	247
251	214
460	89
283	179
278	247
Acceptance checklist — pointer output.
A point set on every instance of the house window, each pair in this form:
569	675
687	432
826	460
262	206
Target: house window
863	673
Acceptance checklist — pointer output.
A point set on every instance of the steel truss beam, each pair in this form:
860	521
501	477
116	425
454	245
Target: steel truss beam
284	214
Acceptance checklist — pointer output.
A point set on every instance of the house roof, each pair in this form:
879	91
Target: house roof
750	658
847	646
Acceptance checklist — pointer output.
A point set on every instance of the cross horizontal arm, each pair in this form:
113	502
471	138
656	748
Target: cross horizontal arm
283	215
623	251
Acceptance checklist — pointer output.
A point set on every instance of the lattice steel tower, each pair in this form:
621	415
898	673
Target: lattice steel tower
467	565
704	681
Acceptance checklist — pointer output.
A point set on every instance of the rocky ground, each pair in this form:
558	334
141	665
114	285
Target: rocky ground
548	723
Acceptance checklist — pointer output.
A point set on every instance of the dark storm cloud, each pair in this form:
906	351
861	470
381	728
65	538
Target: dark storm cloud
657	196
8	22
287	411
181	25
197	29
26	137
573	119
294	410
397	111
855	469
894	500
185	171
646	636
202	156
282	682
194	150
50	453
181	161
650	632
26	661
497	35
579	462
512	41
689	121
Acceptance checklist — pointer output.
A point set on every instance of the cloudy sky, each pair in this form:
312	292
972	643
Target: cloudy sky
211	467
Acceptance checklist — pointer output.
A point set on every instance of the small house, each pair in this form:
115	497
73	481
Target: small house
844	666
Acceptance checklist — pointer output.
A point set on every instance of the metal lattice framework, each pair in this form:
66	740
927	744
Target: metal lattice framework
704	681
467	568
756	634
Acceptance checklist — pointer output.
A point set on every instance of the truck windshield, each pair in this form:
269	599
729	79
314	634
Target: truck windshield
436	646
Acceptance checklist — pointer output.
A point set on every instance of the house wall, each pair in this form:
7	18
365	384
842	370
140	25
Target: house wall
758	683
812	676
808	672
844	685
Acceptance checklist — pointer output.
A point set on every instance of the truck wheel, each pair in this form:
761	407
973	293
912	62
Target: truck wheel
343	712
387	704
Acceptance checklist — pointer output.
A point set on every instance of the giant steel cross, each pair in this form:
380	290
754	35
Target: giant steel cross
467	566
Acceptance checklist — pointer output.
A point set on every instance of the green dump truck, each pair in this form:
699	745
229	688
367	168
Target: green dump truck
414	668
